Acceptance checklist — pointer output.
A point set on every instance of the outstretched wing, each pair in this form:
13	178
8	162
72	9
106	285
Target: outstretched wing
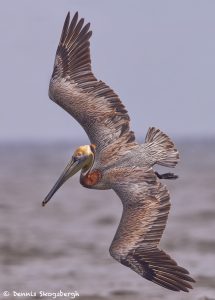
74	87
145	210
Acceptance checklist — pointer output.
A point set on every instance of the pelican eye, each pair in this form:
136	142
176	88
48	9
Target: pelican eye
77	156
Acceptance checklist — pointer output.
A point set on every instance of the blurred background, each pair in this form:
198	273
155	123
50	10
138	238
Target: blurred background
160	58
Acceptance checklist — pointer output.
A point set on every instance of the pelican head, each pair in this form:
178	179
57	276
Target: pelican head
82	159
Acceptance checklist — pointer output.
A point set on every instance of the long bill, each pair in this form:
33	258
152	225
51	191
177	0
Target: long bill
70	170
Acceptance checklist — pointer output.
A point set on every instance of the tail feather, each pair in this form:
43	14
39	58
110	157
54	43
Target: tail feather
163	149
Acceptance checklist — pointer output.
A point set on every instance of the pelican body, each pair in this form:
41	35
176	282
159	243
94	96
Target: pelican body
115	160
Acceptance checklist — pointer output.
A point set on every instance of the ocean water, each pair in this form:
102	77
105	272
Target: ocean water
65	245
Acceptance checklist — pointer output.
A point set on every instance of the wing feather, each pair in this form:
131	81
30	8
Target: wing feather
74	87
146	205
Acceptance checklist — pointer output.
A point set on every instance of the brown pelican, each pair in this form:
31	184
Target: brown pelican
114	160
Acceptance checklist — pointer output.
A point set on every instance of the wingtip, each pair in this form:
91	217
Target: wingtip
75	17
90	33
68	16
192	280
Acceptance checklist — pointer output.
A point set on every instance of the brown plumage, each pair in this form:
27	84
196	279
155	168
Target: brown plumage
114	160
74	87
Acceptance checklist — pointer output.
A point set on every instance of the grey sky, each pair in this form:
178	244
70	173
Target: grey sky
159	56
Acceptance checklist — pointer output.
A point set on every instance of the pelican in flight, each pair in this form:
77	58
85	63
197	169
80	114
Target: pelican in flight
115	160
